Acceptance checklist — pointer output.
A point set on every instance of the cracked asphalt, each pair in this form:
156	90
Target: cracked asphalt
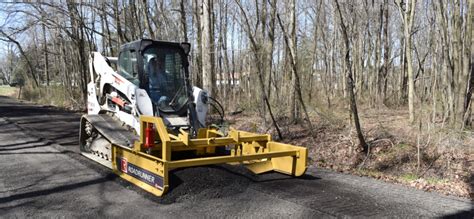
42	174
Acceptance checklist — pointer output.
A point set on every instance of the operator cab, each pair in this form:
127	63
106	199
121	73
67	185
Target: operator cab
160	68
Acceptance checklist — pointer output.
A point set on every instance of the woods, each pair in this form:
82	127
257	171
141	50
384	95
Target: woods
281	59
379	88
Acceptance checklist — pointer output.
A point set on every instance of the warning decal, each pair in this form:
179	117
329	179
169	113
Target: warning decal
141	174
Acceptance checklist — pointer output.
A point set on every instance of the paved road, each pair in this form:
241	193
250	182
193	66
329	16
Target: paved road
42	174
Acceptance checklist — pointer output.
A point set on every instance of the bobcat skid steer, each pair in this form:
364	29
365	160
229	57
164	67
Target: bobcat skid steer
146	119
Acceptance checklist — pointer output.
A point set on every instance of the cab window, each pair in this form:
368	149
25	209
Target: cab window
165	74
128	66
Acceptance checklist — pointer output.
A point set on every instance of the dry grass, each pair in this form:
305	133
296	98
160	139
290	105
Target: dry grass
6	90
55	96
442	163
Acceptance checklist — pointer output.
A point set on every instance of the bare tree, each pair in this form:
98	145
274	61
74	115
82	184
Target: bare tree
350	81
256	48
8	38
470	81
407	12
147	19
208	75
182	13
291	46
386	52
241	41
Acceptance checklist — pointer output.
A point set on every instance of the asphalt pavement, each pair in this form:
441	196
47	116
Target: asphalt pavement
42	174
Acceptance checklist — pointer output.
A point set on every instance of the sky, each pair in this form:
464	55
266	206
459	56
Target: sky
4	21
3	45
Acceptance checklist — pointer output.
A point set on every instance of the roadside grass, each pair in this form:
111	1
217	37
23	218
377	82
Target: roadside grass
369	172
409	177
54	95
436	180
6	90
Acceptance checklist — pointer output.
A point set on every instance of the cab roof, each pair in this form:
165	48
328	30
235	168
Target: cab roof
140	45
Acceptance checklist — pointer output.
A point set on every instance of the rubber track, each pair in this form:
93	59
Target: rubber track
112	130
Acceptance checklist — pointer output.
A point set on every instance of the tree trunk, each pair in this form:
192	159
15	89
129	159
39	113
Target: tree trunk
468	66
291	46
182	12
147	20
46	61
118	24
197	14
207	48
259	63
383	82
350	83
407	15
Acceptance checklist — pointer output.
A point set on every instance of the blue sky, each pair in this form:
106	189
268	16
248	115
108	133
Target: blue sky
5	20
3	45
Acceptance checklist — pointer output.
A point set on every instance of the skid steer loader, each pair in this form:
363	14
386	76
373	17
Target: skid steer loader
146	119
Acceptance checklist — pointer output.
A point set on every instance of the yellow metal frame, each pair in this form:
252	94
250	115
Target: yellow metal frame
148	168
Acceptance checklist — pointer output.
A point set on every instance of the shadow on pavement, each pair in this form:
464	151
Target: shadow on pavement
109	177
38	152
45	144
40	140
28	203
13	108
57	125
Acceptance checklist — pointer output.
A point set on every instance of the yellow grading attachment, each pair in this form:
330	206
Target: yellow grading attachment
148	168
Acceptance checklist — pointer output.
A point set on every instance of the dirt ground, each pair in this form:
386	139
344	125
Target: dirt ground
424	156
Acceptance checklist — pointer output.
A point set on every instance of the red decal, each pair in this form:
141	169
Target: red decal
124	165
118	101
117	80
